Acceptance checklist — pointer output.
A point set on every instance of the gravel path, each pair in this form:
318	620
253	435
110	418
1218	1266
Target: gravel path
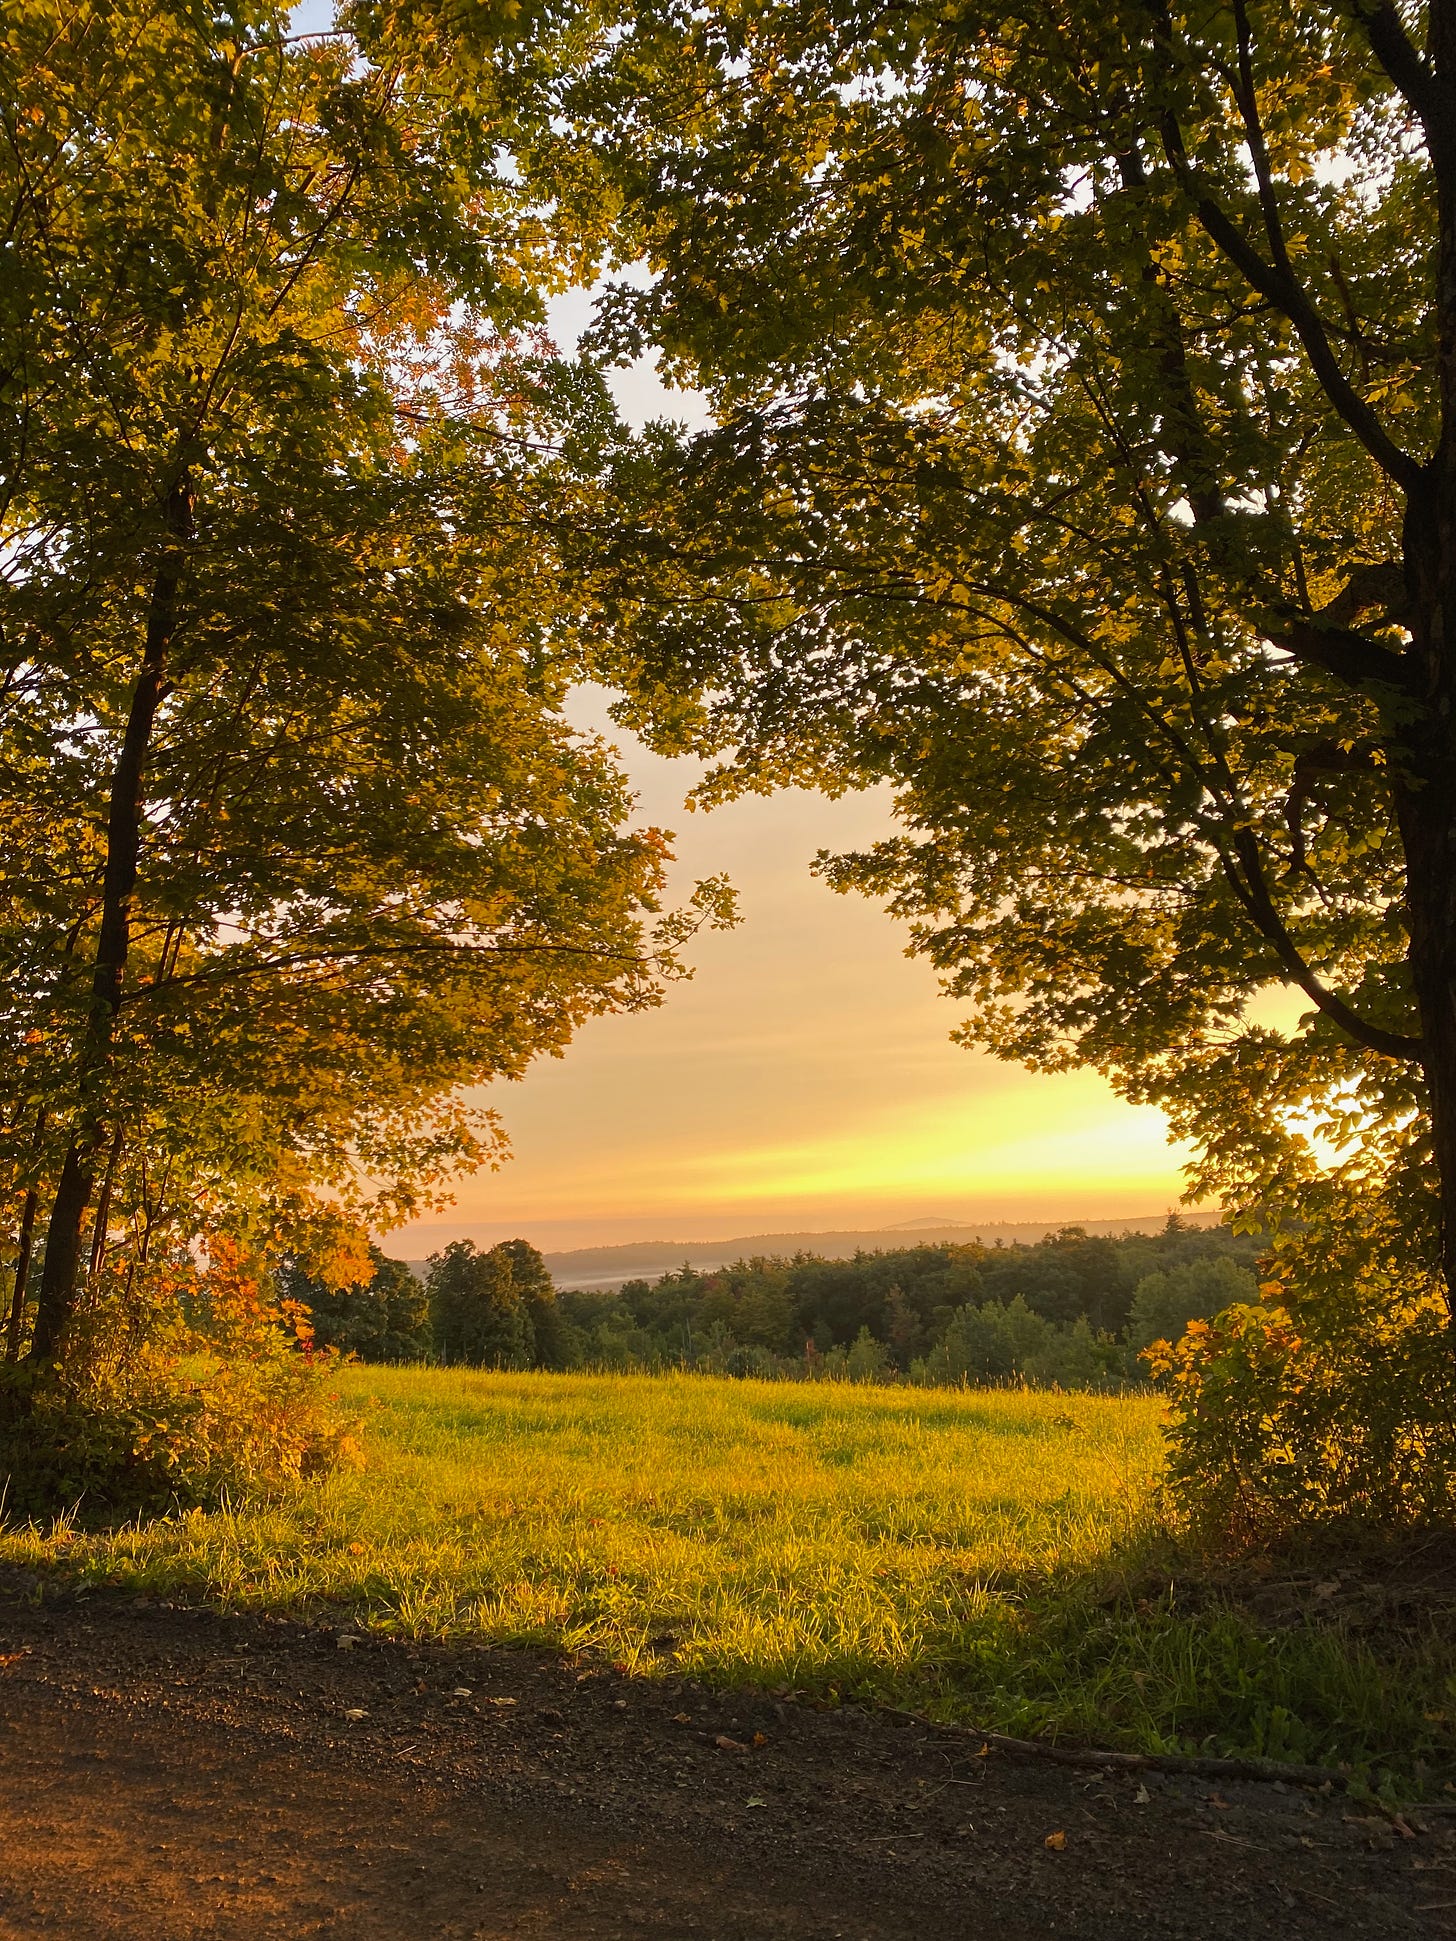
169	1774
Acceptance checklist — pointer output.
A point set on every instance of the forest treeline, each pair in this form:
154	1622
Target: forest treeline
1075	1310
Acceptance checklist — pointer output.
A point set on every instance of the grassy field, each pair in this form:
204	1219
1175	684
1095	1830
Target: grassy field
990	1556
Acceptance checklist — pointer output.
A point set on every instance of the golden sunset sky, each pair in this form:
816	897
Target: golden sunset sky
804	1078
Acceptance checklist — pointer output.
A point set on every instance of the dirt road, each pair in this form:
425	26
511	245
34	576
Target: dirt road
170	1774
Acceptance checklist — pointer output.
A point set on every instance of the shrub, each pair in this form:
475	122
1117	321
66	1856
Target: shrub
1327	1404
214	1390
166	1433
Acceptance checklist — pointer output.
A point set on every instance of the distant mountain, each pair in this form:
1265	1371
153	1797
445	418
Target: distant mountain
608	1267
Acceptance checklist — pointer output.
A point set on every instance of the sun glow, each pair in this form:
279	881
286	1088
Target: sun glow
804	1078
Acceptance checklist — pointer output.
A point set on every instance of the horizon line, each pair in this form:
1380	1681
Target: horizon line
907	1228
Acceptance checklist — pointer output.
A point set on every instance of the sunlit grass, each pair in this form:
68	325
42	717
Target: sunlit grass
983	1555
788	1528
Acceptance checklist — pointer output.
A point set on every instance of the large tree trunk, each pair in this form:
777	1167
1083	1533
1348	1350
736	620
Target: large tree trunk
1428	827
1426	805
60	1271
57	1298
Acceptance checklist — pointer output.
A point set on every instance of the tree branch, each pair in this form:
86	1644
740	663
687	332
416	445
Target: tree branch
344	955
1428	93
1352	657
1252	890
1325	758
1283	290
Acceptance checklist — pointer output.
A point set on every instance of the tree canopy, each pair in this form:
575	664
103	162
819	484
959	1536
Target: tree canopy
383	1316
492	1309
298	842
1085	467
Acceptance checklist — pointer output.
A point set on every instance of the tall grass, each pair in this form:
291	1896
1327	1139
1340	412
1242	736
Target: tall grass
985	1555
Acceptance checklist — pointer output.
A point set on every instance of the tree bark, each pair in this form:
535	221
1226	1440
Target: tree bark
1428	828
103	1208
1426	805
25	1253
56	1301
25	1246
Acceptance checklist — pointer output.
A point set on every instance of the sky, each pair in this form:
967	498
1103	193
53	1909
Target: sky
805	1077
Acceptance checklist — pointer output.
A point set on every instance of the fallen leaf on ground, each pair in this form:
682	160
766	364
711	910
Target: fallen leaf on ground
356	1712
760	1738
725	1744
461	1691
1056	1841
1141	1796
682	1718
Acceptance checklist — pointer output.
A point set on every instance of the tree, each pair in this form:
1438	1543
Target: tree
297	842
867	1360
1165	1301
494	1309
1085	467
385	1317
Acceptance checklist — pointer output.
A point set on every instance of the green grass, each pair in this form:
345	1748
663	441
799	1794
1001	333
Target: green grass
984	1556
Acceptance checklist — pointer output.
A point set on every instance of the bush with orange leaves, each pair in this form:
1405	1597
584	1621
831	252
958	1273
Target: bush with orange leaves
222	1396
1327	1407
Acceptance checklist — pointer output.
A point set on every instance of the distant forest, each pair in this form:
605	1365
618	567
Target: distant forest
1074	1310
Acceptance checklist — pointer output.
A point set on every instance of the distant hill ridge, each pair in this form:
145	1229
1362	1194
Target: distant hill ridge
608	1267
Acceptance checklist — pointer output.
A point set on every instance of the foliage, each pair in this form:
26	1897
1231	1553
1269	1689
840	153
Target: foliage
166	1435
219	1405
297	843
1061	1313
1166	1301
385	1317
1329	1402
986	1557
1084	467
494	1309
1072	375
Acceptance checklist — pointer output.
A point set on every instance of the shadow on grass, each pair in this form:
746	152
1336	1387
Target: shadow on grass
1334	1659
1347	1663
